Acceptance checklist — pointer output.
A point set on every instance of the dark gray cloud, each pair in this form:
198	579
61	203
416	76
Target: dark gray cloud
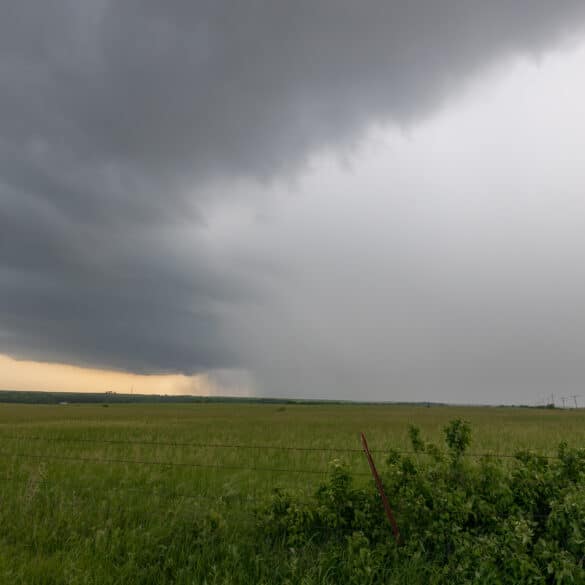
116	117
216	87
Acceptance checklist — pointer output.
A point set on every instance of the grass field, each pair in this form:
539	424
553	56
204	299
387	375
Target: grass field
166	493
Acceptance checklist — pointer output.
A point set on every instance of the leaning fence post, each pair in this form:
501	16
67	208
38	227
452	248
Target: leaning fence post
380	487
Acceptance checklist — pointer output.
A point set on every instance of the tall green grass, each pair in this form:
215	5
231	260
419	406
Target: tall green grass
74	522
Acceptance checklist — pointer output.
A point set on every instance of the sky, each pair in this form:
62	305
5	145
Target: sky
367	201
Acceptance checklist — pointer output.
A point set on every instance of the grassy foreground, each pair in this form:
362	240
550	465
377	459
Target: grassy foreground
169	493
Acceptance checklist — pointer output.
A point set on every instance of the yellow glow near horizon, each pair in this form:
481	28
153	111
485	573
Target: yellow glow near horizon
32	375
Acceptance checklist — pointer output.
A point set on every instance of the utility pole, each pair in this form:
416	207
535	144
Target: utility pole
563	398
574	397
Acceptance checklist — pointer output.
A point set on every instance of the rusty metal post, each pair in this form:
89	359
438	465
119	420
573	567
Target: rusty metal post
380	487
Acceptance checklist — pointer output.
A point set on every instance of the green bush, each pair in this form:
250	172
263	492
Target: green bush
465	519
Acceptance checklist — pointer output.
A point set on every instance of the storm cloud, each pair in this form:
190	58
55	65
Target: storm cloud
127	127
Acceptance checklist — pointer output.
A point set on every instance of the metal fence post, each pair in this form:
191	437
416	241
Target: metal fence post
380	487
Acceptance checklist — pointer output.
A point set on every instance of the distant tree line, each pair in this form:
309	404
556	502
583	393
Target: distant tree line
26	397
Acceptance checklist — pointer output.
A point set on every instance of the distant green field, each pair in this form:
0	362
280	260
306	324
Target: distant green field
127	493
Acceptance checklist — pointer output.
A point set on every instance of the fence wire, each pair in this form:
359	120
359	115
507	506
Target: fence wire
216	466
261	447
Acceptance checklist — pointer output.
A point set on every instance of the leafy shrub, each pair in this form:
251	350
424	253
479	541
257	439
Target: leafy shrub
468	520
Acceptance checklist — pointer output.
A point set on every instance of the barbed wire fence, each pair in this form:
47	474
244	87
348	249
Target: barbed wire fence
260	447
247	503
46	457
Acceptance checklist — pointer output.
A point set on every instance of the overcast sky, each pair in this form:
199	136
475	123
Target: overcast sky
377	200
